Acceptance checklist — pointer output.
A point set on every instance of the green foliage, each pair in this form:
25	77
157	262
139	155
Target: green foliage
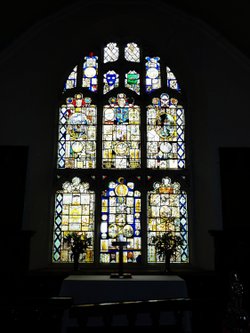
166	244
78	243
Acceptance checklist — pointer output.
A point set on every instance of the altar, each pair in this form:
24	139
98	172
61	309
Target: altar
101	288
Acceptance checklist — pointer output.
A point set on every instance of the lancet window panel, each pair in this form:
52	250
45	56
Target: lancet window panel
120	220
121	137
165	134
167	212
74	213
77	133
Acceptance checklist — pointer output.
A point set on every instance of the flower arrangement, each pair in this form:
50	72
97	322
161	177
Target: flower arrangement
166	244
78	243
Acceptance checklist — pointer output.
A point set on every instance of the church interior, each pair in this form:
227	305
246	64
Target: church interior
119	124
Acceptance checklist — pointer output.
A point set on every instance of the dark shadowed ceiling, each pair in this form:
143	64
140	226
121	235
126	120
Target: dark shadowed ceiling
230	18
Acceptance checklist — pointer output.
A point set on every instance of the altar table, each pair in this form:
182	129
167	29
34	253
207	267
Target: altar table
102	288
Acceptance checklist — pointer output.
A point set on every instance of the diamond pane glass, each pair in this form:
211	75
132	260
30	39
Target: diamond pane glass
77	134
132	52
167	212
165	134
111	53
76	214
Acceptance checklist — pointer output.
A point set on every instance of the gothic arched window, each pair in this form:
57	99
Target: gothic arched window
121	156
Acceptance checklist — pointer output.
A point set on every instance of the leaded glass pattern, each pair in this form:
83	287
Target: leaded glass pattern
111	53
167	211
171	80
71	80
121	134
90	71
165	134
120	220
132	52
77	134
153	74
110	80
74	212
132	81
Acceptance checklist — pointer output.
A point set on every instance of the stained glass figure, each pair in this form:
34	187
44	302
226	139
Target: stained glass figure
77	134
132	81
121	134
71	81
111	52
165	134
90	71
132	52
111	81
74	212
153	74
172	81
167	211
120	220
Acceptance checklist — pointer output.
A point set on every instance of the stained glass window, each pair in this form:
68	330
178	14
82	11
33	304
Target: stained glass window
132	52
167	211
165	134
120	220
121	134
132	81
111	53
122	128
111	81
90	71
153	74
171	80
74	212
77	134
71	81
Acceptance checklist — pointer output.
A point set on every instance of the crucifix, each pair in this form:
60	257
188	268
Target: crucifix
120	274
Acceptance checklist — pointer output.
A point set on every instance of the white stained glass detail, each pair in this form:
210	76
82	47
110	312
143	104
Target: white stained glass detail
153	74
165	134
121	134
111	52
132	52
167	213
132	81
111	81
71	81
74	212
90	71
172	81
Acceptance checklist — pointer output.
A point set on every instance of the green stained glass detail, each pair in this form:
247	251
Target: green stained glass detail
77	214
120	220
132	81
167	212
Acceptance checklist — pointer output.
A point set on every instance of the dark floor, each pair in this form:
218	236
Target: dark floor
210	289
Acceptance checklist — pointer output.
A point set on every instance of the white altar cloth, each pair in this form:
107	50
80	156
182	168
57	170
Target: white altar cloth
102	288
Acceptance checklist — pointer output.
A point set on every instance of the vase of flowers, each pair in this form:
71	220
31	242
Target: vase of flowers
166	245
78	243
